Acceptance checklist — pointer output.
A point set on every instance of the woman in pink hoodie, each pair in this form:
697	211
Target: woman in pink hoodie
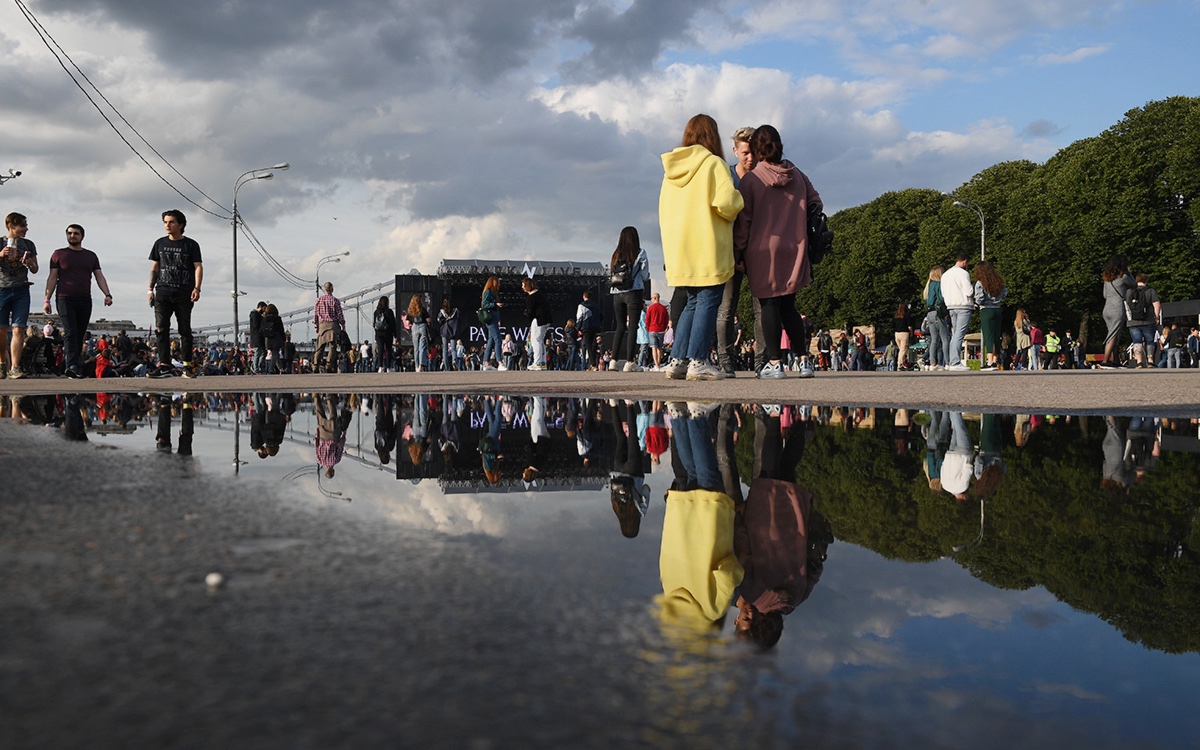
771	237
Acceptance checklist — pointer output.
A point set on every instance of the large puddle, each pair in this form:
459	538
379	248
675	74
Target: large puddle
890	576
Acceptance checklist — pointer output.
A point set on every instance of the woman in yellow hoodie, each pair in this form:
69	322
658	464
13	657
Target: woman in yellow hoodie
696	209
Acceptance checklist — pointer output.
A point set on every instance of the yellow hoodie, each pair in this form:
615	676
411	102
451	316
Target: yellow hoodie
696	209
697	563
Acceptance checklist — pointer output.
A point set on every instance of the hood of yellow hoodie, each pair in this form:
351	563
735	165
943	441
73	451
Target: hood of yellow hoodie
682	164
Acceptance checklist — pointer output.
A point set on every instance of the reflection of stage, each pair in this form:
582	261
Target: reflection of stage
555	456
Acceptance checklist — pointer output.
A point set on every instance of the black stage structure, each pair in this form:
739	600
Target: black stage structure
563	283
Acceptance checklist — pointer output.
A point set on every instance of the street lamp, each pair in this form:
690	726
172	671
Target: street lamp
264	173
963	203
335	258
12	175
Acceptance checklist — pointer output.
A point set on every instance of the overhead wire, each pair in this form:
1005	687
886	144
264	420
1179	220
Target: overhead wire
51	44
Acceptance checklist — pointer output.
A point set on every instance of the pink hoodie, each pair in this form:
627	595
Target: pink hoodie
771	232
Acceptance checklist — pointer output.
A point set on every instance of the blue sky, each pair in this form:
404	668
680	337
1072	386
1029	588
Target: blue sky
423	129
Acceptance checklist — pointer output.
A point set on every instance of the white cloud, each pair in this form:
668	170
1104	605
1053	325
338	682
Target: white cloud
1073	57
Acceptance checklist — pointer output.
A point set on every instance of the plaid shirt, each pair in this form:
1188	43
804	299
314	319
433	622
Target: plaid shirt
328	308
329	452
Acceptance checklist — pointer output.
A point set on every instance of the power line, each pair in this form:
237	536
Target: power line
47	39
271	260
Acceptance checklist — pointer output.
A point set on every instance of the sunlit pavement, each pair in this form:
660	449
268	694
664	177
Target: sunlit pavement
1150	391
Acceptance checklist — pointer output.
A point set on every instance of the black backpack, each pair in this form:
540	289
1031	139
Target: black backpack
622	276
1137	304
820	237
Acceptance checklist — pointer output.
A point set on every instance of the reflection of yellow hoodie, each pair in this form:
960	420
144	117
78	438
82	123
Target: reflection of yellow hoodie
698	567
696	209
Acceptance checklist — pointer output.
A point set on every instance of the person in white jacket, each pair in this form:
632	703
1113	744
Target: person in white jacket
959	294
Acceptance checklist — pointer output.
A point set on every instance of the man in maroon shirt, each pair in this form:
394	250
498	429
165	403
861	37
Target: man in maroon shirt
71	271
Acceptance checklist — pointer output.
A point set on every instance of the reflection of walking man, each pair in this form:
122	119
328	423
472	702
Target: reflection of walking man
176	273
331	432
328	320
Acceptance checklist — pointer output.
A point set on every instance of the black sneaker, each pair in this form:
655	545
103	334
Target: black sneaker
74	373
162	371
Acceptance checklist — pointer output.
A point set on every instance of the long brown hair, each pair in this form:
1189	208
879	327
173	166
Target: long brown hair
702	130
1116	267
985	274
415	306
627	247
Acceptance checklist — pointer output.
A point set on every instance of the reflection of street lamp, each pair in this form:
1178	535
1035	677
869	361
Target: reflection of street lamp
335	258
963	203
264	173
978	539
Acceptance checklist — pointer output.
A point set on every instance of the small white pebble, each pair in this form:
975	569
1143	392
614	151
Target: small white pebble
214	580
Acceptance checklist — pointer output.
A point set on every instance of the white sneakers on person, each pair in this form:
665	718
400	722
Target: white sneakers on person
700	370
632	366
676	369
772	370
806	370
960	367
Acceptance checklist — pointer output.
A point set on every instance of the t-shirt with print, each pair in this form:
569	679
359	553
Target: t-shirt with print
13	272
177	261
75	269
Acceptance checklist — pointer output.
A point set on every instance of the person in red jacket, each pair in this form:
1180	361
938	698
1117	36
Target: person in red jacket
656	325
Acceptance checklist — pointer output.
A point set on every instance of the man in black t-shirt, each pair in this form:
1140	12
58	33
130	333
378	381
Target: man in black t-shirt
175	279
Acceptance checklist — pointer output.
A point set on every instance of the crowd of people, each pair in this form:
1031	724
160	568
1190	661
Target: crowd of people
720	225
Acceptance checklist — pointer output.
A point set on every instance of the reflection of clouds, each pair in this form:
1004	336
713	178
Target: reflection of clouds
861	604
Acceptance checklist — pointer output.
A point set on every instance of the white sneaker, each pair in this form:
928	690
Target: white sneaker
806	371
772	370
632	366
380	370
676	409
960	367
502	368
698	410
676	369
613	365
700	370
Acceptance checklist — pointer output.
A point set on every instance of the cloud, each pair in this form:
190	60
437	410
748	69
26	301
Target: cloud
1041	128
1073	57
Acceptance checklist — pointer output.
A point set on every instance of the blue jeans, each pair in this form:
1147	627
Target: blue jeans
939	339
959	320
698	322
492	349
448	347
14	306
1175	358
696	450
74	313
420	337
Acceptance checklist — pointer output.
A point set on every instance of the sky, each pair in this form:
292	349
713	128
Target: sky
418	130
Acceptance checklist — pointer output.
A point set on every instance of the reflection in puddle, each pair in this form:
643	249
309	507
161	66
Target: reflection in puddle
881	556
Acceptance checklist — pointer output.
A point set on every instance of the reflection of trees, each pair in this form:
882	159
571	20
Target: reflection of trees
1130	559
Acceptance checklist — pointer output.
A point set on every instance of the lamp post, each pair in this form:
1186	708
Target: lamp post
963	203
335	258
264	173
12	175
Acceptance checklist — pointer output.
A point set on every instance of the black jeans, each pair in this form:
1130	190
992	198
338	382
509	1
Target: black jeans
75	313
779	313
179	304
627	308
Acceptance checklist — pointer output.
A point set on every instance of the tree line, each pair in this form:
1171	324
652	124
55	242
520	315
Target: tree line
1050	228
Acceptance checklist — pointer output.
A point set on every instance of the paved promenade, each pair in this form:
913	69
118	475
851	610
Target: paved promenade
1174	392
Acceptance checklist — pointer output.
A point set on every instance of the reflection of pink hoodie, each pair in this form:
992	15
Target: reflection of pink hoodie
772	545
771	232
